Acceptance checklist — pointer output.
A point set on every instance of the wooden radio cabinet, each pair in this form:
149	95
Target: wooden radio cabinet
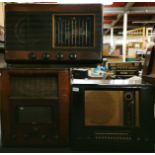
53	33
35	106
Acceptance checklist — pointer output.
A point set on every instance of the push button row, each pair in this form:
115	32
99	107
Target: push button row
112	138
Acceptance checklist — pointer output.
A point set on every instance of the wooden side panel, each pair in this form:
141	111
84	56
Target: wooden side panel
5	111
64	100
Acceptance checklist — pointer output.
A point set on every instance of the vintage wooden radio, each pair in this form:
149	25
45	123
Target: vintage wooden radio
35	106
113	115
53	33
125	69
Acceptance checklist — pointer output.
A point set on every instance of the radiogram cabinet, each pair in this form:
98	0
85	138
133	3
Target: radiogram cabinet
35	106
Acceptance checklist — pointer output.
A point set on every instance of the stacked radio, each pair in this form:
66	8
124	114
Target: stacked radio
48	33
125	69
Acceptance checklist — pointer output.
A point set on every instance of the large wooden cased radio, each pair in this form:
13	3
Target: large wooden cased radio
53	33
35	107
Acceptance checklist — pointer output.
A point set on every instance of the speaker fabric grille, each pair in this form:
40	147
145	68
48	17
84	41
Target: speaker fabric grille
34	86
104	108
28	31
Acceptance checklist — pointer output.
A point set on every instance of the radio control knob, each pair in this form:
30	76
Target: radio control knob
35	129
32	56
26	136
43	136
73	56
14	136
56	137
59	56
129	96
88	137
46	56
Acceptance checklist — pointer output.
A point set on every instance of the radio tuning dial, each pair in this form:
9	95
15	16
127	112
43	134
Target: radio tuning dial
73	56
59	56
32	56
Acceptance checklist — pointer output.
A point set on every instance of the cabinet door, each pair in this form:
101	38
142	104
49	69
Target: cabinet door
35	106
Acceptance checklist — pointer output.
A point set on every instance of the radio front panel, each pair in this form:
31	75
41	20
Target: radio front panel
111	115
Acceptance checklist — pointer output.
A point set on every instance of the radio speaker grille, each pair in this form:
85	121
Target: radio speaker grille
104	108
28	31
34	86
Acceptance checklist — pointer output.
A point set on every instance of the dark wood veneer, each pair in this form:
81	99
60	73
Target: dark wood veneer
53	7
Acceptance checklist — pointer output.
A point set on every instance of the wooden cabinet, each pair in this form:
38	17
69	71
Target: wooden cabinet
35	106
